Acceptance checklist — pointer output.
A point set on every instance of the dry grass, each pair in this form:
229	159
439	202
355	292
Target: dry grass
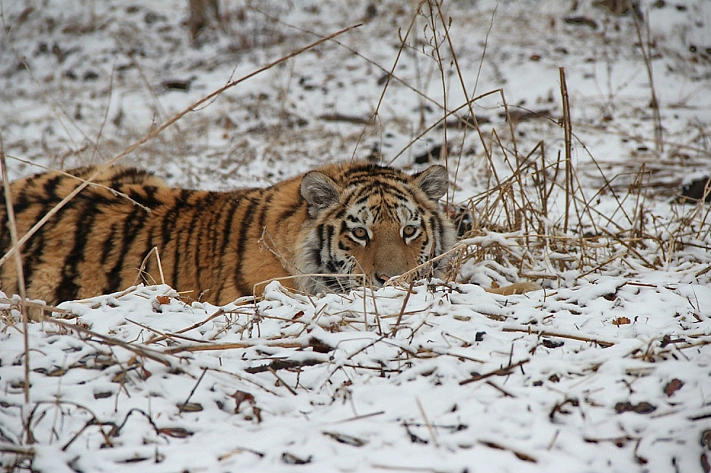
584	239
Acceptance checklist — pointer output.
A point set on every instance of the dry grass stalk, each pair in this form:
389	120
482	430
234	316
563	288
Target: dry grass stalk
547	333
141	269
238	346
160	338
658	129
567	126
20	273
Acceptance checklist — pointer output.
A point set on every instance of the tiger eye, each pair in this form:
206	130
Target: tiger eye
409	230
360	233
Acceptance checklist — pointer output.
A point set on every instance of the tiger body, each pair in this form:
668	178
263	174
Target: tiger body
336	220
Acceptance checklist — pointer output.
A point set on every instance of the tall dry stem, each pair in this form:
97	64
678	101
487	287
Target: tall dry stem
12	224
646	55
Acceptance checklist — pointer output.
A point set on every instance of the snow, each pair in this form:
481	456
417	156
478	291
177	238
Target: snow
539	376
608	368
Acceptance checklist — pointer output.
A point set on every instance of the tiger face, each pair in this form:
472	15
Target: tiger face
372	221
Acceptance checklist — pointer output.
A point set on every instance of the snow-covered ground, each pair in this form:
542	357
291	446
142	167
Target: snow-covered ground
606	369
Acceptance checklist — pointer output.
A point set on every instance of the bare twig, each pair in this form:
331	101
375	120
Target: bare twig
658	130
12	223
567	126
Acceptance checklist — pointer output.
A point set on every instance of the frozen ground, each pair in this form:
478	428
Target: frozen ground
607	369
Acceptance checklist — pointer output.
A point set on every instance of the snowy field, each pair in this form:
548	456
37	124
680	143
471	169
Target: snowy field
607	368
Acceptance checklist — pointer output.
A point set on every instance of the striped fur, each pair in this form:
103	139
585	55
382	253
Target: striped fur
347	218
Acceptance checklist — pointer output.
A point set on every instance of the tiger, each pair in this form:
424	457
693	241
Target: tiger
309	232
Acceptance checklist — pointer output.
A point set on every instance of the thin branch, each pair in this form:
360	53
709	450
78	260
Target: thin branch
20	272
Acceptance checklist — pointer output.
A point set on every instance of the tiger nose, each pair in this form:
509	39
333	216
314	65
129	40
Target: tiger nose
382	278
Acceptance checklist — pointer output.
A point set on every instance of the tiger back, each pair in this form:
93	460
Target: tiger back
341	219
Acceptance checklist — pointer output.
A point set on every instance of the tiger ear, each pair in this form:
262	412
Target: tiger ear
319	191
433	181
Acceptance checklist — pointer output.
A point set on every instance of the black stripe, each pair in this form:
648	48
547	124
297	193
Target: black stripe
329	236
32	254
5	239
226	234
20	201
227	227
108	245
50	186
147	197
168	232
128	176
206	201
316	255
290	212
266	205
175	237
33	251
239	281
132	226
68	289
168	223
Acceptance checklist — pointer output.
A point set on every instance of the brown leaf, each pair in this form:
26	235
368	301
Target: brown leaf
581	20
560	408
621	321
257	414
552	343
346	439
163	300
291	459
706	439
190	407
640	408
57	372
673	386
319	346
177	432
240	397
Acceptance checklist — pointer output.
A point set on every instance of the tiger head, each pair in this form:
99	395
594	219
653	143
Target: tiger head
370	220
